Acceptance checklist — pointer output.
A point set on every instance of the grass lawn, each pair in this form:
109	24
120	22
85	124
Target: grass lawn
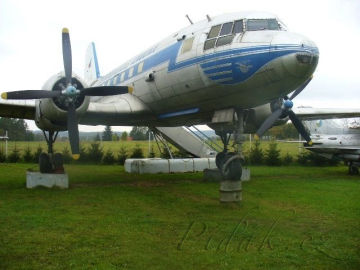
290	218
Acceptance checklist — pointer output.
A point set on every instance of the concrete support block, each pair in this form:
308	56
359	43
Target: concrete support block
49	180
158	165
230	191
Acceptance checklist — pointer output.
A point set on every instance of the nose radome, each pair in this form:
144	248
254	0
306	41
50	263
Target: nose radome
300	55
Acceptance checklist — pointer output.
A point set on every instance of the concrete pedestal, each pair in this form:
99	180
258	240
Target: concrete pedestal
230	191
49	180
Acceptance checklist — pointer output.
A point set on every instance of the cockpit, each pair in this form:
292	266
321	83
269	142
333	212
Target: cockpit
223	34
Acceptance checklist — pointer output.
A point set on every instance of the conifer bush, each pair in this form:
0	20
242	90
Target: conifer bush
28	156
122	155
272	156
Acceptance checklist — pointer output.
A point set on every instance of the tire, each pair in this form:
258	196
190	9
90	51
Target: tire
58	161
233	170
44	163
220	159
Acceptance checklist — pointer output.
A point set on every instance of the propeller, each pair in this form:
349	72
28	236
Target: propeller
70	92
285	110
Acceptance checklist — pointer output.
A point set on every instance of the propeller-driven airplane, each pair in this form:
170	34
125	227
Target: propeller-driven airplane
231	72
337	139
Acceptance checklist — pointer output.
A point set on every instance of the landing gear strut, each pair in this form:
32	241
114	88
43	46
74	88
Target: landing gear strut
50	162
230	163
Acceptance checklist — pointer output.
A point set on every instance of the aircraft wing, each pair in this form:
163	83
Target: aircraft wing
17	109
307	113
334	149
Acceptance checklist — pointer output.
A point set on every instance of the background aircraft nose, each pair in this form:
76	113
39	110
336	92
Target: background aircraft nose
300	55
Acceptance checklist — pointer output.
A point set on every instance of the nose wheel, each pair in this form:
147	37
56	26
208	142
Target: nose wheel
230	165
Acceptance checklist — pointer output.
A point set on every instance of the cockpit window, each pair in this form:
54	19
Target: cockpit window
262	24
214	32
220	35
238	27
226	29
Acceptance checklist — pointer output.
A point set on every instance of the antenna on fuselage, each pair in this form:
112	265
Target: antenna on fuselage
208	18
187	16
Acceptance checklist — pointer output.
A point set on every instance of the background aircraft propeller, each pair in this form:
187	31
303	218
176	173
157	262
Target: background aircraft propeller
283	111
70	92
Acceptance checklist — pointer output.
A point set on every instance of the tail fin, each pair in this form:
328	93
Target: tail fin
91	70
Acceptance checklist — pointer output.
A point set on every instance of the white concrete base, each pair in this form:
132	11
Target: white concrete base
158	165
49	180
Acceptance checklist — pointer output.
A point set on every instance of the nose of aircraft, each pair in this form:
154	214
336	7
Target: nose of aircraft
300	55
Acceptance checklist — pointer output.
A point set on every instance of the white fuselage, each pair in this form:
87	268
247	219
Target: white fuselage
196	71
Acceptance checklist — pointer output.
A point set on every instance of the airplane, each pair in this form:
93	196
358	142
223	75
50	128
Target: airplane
232	72
337	139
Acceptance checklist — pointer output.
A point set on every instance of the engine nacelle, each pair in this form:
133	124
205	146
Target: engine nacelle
257	115
51	114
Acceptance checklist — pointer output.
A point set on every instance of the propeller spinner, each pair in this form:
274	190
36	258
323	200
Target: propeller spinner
70	92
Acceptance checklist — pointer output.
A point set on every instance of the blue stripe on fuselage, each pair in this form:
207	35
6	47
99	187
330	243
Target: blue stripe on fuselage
253	57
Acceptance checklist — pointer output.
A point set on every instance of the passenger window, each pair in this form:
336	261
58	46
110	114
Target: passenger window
131	72
140	67
226	29
238	27
187	45
224	40
122	77
214	32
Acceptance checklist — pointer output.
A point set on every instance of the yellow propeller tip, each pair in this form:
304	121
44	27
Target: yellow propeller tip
65	30
310	143
75	156
4	95
130	89
256	137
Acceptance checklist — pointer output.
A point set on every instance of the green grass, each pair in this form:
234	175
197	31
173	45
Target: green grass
290	218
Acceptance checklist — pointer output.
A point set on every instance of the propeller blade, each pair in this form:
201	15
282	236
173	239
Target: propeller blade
299	89
299	126
66	47
30	94
73	131
106	90
268	123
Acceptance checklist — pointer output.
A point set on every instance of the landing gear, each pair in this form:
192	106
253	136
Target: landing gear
50	162
353	169
230	163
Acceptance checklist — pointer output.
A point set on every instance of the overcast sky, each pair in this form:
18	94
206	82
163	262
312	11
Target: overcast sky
30	37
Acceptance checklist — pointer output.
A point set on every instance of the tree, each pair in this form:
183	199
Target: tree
17	129
97	137
124	136
107	134
139	133
115	137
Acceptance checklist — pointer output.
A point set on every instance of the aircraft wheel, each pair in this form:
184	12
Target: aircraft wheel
58	161
45	163
231	168
353	170
220	159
